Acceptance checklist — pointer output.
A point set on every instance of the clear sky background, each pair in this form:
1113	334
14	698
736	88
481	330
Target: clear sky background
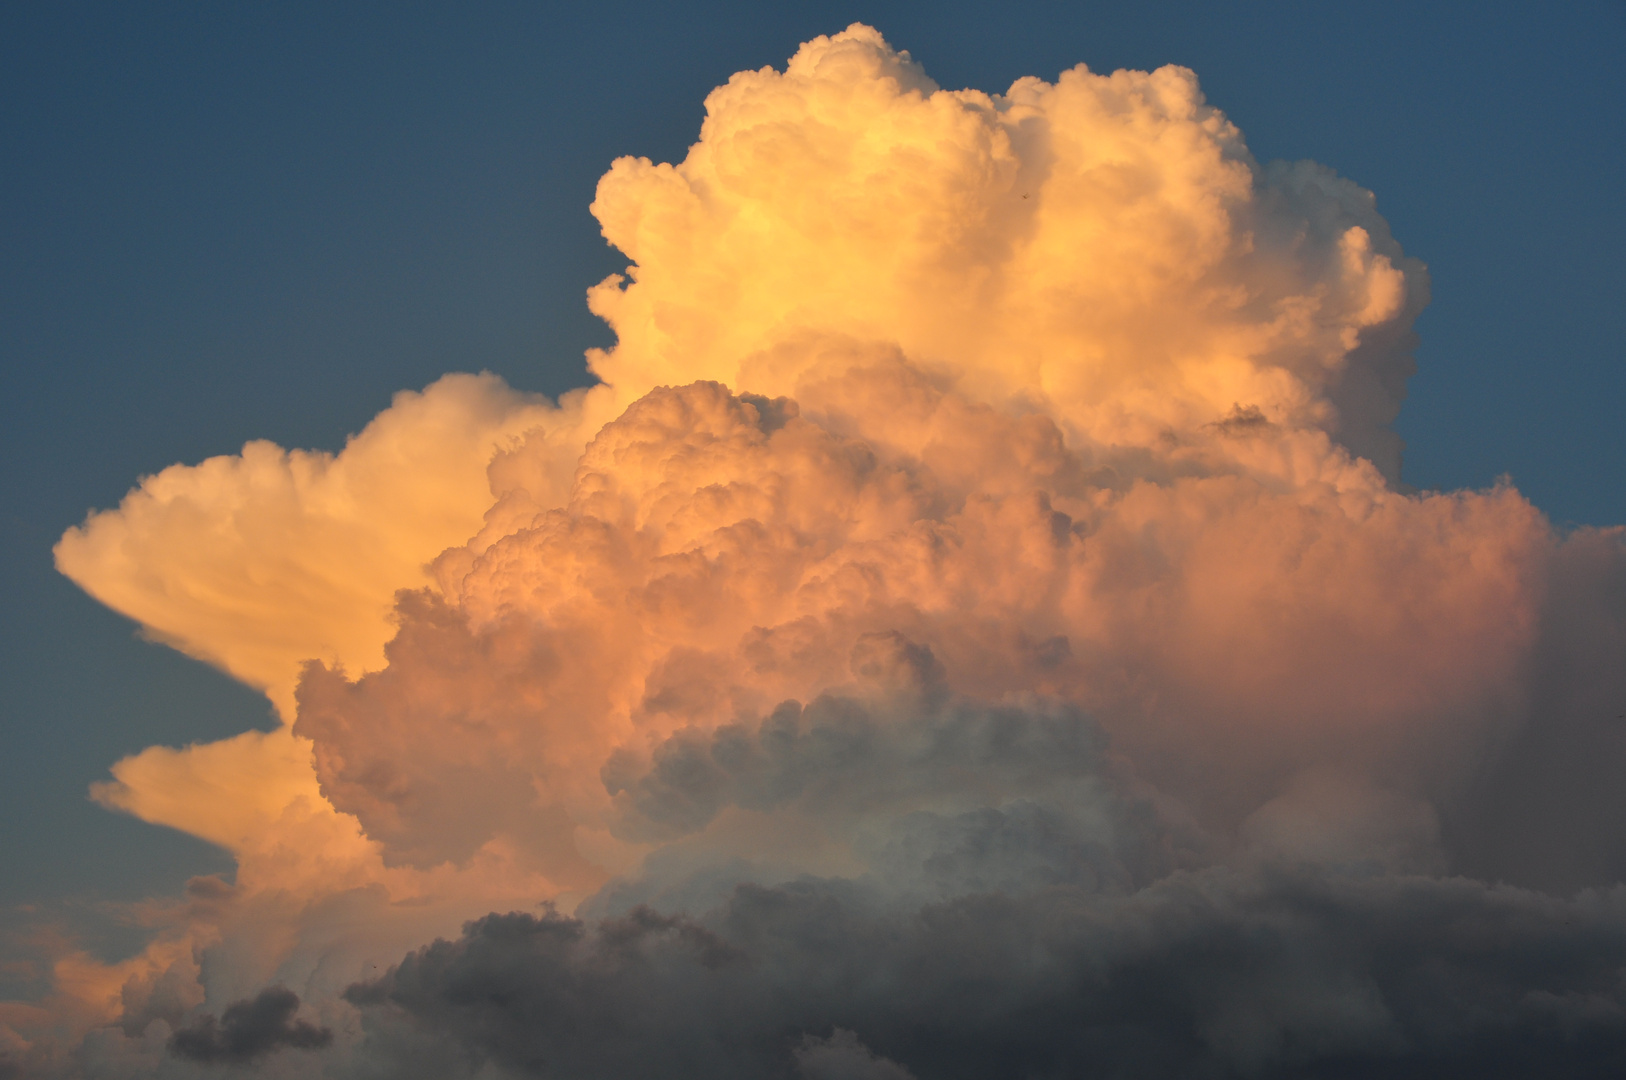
222	224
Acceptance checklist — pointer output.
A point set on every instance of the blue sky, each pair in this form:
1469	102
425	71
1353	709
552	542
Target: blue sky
230	224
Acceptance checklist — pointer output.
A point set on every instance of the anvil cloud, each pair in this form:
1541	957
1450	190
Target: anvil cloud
976	626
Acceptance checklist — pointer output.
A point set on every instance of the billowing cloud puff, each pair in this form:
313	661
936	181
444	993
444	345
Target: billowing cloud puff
976	626
720	555
1104	246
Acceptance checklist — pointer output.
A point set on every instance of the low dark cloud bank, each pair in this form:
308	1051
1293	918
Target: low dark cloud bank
1270	972
249	1029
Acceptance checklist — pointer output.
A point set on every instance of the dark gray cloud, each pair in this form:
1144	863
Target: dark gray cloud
249	1029
927	795
1274	971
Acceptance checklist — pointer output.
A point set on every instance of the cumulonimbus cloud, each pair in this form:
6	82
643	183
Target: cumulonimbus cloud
976	625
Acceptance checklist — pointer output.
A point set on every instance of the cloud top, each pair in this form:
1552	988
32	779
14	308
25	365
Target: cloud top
1103	246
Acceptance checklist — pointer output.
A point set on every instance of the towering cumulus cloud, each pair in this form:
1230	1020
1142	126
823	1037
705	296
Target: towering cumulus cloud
976	627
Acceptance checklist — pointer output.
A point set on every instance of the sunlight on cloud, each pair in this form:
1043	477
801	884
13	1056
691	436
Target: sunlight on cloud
984	568
260	561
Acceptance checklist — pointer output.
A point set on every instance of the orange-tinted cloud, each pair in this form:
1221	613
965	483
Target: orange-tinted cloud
259	561
986	494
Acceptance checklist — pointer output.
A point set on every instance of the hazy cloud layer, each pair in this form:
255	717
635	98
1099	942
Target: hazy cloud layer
975	628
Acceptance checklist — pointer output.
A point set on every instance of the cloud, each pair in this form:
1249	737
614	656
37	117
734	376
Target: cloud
249	1029
976	626
720	554
843	1057
1274	971
1104	244
919	792
304	550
